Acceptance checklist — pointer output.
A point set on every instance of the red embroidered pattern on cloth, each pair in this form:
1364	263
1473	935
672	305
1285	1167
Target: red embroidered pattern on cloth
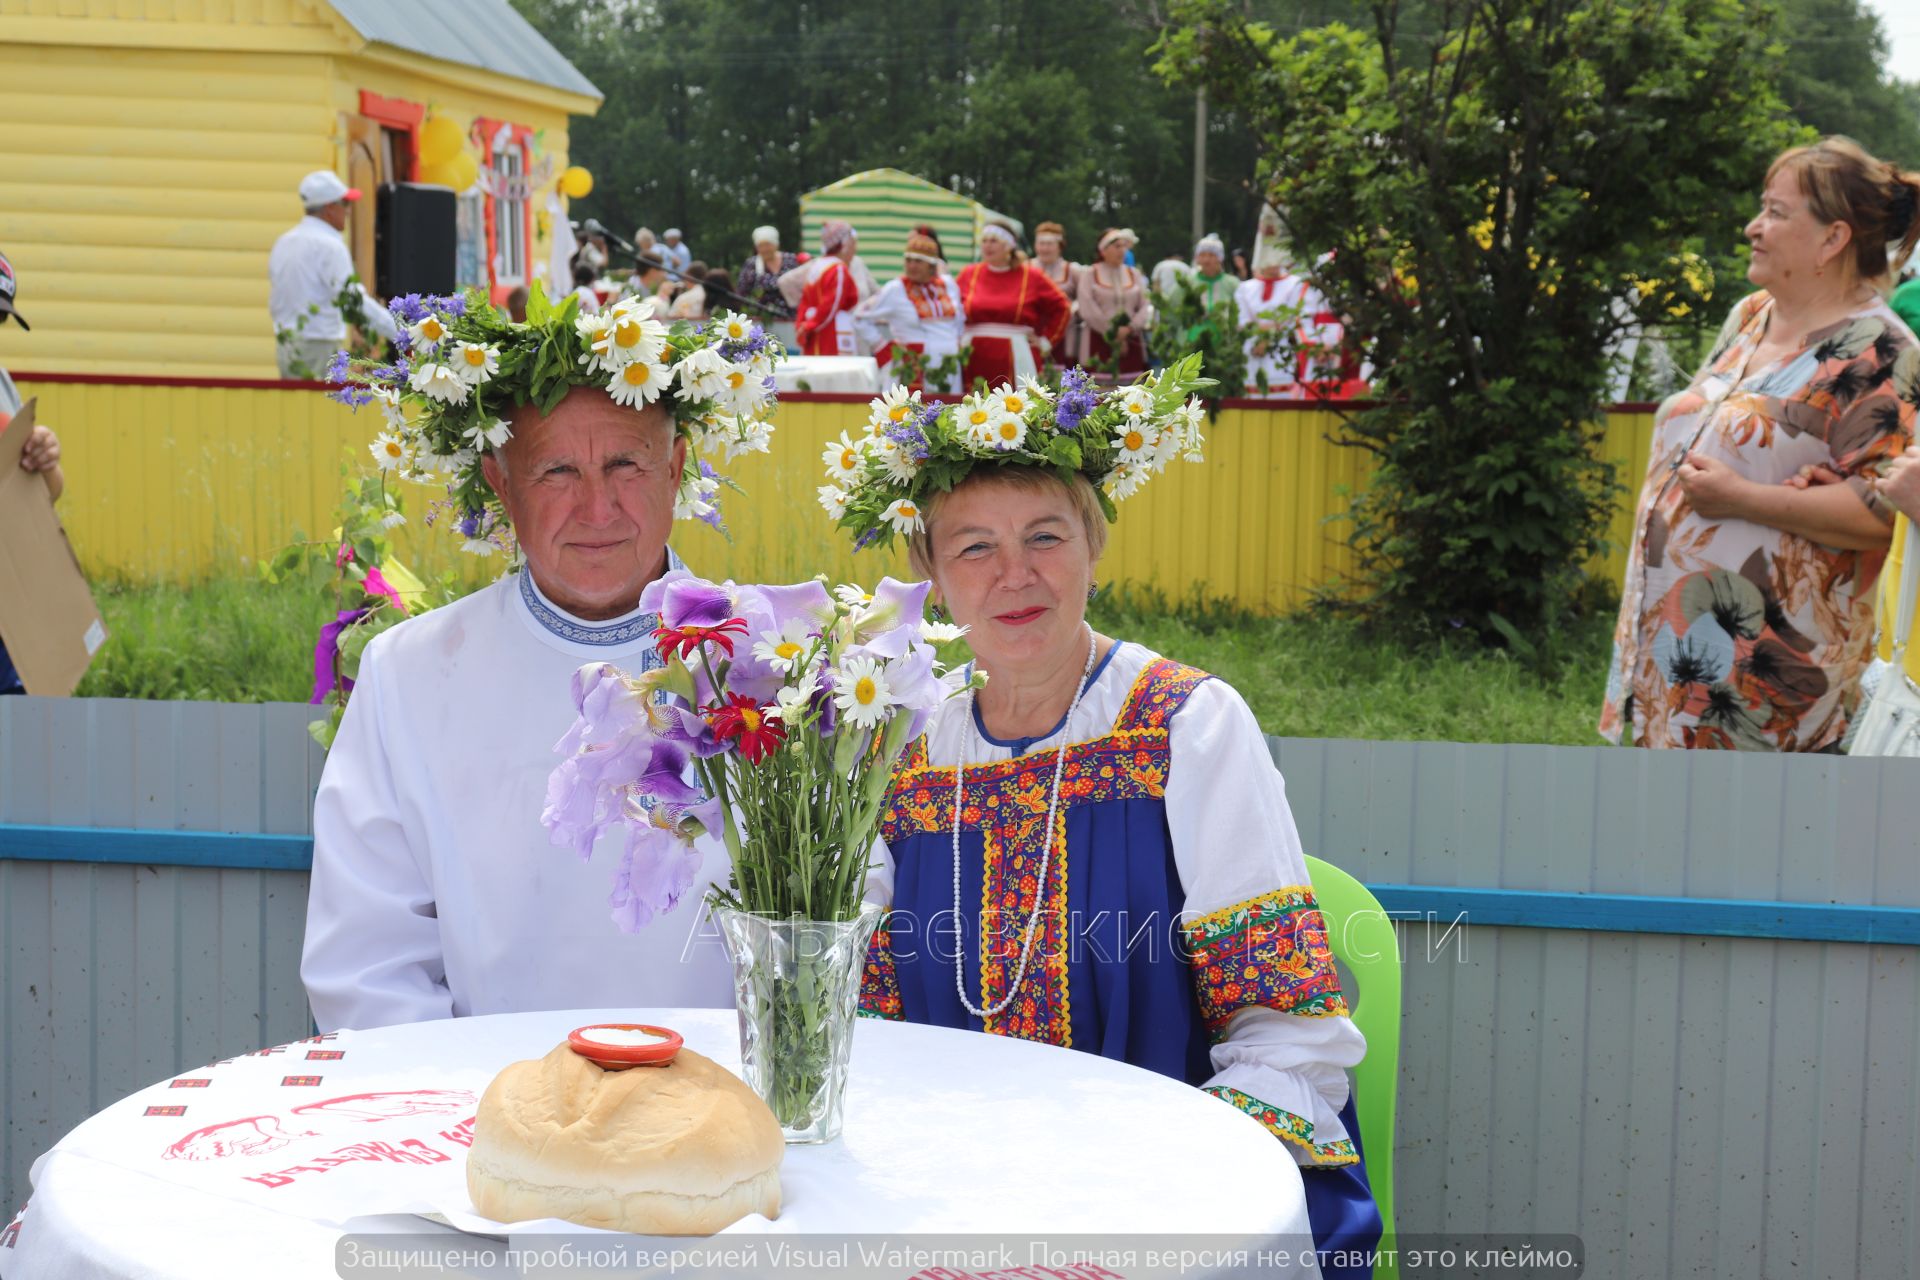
1270	951
879	984
1286	1125
1006	801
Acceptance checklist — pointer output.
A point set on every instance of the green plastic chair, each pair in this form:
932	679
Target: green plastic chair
1362	938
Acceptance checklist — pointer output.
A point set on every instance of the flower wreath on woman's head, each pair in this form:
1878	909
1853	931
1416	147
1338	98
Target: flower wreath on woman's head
879	484
464	367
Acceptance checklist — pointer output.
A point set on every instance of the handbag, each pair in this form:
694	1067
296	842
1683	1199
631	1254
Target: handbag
1890	725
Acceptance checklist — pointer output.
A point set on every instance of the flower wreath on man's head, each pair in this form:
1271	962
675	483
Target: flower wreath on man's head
464	367
1118	439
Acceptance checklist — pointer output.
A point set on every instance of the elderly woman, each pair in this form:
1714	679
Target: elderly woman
1105	825
1113	301
759	280
920	311
1015	315
1746	617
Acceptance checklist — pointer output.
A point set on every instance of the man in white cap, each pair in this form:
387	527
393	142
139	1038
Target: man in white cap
677	255
309	270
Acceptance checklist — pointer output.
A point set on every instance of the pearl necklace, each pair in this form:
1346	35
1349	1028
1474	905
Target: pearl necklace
1046	851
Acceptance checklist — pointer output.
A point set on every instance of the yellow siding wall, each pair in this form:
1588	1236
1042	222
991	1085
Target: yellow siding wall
179	482
144	186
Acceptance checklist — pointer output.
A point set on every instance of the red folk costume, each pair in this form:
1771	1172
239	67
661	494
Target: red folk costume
1020	295
823	324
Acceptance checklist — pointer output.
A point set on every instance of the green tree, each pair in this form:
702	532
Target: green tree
1833	76
1489	177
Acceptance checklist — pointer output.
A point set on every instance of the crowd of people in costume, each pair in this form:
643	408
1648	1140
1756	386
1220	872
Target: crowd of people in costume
942	327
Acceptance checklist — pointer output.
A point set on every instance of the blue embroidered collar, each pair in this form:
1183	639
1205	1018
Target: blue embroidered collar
621	631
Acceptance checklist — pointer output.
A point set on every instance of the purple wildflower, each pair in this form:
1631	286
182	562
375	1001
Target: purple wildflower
469	525
1076	399
454	304
338	367
756	342
408	308
350	394
866	539
911	438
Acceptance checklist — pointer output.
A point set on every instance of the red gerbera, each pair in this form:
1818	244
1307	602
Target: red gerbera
689	638
758	729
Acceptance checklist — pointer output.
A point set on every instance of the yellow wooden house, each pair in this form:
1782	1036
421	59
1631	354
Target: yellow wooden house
151	150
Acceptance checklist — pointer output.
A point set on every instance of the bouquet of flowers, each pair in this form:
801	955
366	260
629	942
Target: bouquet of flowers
773	721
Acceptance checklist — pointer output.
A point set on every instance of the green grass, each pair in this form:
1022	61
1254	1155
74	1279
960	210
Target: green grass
223	640
232	640
1311	676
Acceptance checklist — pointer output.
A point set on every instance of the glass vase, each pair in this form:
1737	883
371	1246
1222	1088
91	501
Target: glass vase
796	986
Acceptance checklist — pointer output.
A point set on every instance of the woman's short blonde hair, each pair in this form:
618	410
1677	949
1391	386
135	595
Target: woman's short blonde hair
1079	491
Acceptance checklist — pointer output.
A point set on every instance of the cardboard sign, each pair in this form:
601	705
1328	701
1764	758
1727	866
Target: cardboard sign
47	615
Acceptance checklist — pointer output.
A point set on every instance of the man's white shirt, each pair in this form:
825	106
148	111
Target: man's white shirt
436	892
308	267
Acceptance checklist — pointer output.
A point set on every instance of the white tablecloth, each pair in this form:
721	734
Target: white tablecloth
857	375
256	1165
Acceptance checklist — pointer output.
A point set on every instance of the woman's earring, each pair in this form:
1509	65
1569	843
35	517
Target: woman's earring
935	612
1092	591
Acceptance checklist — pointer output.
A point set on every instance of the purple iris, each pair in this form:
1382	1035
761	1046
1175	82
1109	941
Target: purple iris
656	870
683	600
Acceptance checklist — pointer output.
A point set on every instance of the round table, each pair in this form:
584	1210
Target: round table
260	1164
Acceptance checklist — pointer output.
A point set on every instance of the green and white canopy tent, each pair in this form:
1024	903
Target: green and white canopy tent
884	205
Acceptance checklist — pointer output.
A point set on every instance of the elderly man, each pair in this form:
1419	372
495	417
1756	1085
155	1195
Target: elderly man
435	891
308	271
674	252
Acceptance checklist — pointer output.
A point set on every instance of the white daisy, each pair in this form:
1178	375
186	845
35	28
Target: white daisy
478	547
392	520
741	392
638	384
941	632
631	335
1009	432
844	460
834	501
1135	402
693	500
388	398
1036	390
976	419
474	362
899	464
439	381
482	436
1123	482
861	692
793	699
732	328
892	409
1190	415
784	649
702	374
852	597
427	334
1012	402
1135	440
904	516
389	451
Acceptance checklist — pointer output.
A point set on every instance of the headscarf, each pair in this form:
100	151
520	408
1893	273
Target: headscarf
1269	242
762	235
994	231
835	233
1118	233
1210	243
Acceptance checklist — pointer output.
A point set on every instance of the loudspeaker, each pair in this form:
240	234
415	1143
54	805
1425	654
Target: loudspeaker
413	239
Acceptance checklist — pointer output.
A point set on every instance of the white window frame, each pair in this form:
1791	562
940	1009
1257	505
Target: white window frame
511	250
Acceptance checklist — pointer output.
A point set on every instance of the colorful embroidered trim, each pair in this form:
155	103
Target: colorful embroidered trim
614	633
1288	1126
1269	951
1043	1009
879	983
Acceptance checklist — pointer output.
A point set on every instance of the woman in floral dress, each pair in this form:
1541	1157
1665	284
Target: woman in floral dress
1746	617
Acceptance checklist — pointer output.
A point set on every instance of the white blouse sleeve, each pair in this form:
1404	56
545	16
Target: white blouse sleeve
1283	1041
373	956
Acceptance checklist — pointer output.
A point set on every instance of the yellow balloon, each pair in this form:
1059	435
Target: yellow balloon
576	182
440	140
463	171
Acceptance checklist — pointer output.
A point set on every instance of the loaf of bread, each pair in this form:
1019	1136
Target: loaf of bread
679	1150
